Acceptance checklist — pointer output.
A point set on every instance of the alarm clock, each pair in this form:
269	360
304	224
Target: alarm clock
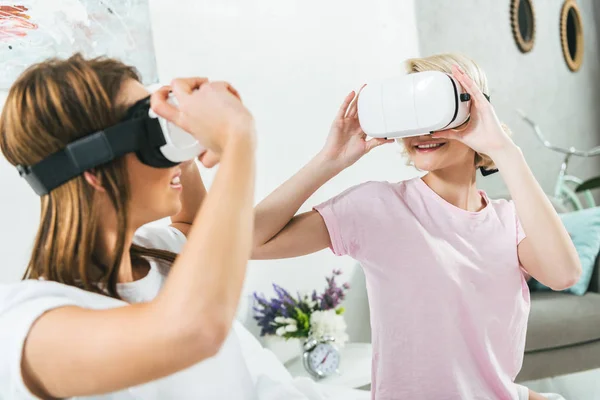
321	357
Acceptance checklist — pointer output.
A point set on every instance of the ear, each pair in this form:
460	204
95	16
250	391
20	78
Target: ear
93	180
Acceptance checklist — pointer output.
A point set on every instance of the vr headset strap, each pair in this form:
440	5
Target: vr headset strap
89	152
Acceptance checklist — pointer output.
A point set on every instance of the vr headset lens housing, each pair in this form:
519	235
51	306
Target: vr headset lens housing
156	142
412	105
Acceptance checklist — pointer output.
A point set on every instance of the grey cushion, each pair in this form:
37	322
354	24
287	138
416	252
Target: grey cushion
595	282
562	361
559	319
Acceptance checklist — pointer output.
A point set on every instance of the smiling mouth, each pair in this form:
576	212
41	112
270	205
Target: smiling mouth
176	182
428	146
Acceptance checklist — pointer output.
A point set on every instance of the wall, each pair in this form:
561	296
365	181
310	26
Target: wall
19	216
293	63
565	104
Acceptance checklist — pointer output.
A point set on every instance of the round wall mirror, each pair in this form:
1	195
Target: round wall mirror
522	18
571	34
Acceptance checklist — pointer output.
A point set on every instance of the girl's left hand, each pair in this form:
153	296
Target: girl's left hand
347	142
209	158
483	133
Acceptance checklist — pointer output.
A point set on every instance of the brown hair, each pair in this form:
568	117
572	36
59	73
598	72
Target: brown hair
50	105
443	63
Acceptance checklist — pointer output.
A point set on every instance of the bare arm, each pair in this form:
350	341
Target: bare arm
192	196
547	253
304	234
278	234
74	352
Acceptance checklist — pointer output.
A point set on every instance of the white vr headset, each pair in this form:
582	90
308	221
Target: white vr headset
180	145
156	142
412	105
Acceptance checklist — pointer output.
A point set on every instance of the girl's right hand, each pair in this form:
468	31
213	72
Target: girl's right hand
211	111
347	142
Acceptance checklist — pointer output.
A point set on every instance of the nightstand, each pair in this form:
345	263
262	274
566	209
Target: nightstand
354	371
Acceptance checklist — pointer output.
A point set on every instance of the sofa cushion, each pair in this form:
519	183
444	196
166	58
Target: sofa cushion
584	228
559	319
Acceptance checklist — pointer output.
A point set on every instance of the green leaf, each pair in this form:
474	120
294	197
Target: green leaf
593	183
303	323
340	311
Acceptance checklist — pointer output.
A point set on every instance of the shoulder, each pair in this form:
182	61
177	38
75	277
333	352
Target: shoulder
357	198
21	304
502	207
161	237
373	187
47	293
368	190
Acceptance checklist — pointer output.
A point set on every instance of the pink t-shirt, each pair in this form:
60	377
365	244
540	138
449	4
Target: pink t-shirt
448	301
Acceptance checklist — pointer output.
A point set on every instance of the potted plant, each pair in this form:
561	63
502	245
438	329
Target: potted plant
306	315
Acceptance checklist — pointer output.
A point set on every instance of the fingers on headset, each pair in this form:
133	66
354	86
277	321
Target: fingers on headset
344	108
187	85
354	104
163	91
376	142
222	85
361	89
352	110
469	85
160	105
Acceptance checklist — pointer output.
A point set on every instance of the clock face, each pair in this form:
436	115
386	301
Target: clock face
324	359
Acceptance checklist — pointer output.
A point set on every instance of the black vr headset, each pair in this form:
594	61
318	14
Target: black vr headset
156	142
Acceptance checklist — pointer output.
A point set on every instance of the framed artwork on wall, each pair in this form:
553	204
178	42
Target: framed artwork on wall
522	20
571	34
34	30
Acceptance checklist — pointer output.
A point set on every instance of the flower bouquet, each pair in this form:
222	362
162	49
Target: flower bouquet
303	316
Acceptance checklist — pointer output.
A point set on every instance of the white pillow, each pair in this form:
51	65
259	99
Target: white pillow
260	361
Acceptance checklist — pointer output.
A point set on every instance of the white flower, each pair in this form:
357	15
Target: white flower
291	328
328	323
280	331
290	321
280	320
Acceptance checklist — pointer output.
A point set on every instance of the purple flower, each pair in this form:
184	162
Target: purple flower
333	294
284	305
314	296
264	314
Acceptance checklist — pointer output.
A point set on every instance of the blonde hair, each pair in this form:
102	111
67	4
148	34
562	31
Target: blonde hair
443	63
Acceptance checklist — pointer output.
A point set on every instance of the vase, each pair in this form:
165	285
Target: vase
284	350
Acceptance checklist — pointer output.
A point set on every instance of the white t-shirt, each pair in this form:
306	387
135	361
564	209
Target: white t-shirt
224	376
242	370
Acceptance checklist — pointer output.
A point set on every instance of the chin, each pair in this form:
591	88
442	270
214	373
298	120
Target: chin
427	165
168	211
174	210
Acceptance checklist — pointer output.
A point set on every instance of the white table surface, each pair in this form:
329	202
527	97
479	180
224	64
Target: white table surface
354	370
